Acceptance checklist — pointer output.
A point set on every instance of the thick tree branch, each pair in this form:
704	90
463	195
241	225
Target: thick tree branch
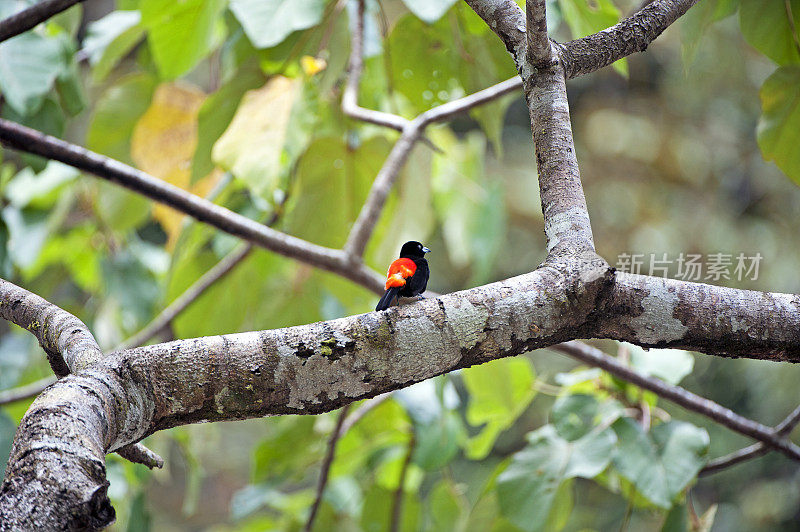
628	36
67	341
658	312
724	416
784	428
31	141
538	45
31	16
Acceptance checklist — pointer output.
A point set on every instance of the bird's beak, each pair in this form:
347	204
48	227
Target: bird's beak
425	250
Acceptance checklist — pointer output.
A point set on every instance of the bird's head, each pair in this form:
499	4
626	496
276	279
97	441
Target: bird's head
413	249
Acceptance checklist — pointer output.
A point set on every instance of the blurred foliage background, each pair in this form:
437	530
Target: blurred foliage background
239	100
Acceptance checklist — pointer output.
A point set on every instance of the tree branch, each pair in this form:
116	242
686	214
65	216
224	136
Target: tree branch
784	428
327	462
66	339
25	392
724	416
631	35
538	45
657	312
28	18
350	97
31	141
397	503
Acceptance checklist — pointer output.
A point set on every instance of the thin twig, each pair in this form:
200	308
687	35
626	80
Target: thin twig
792	25
784	428
25	392
724	416
28	18
327	462
397	504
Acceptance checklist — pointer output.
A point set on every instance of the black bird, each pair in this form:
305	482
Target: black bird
407	276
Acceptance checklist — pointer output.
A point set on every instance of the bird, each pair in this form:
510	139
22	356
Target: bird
407	276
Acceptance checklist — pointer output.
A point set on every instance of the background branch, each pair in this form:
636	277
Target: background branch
25	392
31	16
724	416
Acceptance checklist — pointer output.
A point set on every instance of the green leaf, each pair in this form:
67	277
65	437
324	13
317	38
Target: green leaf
662	462
39	190
677	520
766	26
779	125
268	22
110	38
670	365
181	33
28	231
335	179
527	490
576	415
496	406
429	10
116	113
270	459
216	114
585	18
446	507
252	146
696	21
377	511
14	349
29	65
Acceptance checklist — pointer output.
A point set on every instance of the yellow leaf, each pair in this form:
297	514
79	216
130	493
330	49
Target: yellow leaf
312	65
163	144
252	145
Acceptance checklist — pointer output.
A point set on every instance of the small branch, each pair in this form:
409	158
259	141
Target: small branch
628	36
139	454
362	411
67	341
784	428
25	392
220	270
327	462
31	141
507	20
695	403
387	175
397	504
350	97
792	26
538	45
30	17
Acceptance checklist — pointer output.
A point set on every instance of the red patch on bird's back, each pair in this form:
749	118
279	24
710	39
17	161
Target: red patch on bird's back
399	271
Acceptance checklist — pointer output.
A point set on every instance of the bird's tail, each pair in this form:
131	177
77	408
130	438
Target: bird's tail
388	297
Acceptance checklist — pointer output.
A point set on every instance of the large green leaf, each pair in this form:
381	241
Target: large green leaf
670	365
429	10
527	490
496	406
216	114
779	126
333	180
181	33
110	38
29	66
268	22
695	23
662	462
766	26
576	415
